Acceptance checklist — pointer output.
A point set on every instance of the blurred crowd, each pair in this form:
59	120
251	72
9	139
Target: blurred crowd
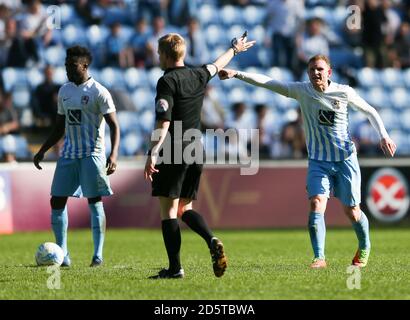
122	35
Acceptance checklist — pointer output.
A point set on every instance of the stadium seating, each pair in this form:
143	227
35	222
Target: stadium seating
208	14
13	77
135	78
34	77
55	56
21	96
143	98
132	143
128	121
253	15
231	15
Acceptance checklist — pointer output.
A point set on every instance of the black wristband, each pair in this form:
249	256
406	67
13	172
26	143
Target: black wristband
235	51
149	152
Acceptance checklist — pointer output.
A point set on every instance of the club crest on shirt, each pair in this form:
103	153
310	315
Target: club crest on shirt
336	104
161	106
85	99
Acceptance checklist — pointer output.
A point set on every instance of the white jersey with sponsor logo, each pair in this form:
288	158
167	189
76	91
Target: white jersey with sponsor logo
84	107
326	119
325	114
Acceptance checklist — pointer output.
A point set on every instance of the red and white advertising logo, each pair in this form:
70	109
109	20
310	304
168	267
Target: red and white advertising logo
388	195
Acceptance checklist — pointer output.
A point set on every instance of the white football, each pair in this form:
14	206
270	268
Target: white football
49	254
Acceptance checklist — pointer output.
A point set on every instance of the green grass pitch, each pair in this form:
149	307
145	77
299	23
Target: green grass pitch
263	264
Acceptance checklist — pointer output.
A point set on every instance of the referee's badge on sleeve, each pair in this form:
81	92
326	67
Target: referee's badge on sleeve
161	106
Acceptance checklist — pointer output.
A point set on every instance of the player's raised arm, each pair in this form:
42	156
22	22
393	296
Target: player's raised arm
386	144
256	79
237	46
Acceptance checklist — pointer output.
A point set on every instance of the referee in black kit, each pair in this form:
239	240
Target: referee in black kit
180	94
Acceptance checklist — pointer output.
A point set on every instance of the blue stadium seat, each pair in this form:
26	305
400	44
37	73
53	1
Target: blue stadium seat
143	98
257	33
112	78
131	144
34	77
230	15
280	74
208	14
390	119
153	76
337	17
215	36
13	77
368	77
406	77
405	120
126	32
147	120
135	78
253	15
355	119
264	56
22	149
21	96
289	115
74	34
262	95
391	78
378	97
68	14
96	35
95	73
237	94
55	55
128	121
400	98
283	103
60	76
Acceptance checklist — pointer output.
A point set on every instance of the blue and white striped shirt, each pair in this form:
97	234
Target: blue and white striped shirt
84	107
325	115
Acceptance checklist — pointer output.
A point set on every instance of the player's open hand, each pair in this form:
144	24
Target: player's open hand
388	146
226	74
242	44
111	164
150	167
39	156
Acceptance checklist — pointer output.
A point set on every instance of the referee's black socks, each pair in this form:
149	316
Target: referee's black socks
195	221
172	240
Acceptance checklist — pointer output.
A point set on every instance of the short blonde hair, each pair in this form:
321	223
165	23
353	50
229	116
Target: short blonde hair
320	57
172	45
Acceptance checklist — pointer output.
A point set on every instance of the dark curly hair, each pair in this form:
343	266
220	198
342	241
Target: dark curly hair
80	52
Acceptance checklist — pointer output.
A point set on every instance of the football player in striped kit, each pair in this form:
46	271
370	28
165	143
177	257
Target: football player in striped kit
84	106
333	165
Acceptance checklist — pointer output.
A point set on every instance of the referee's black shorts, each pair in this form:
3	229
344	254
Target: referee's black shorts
176	180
